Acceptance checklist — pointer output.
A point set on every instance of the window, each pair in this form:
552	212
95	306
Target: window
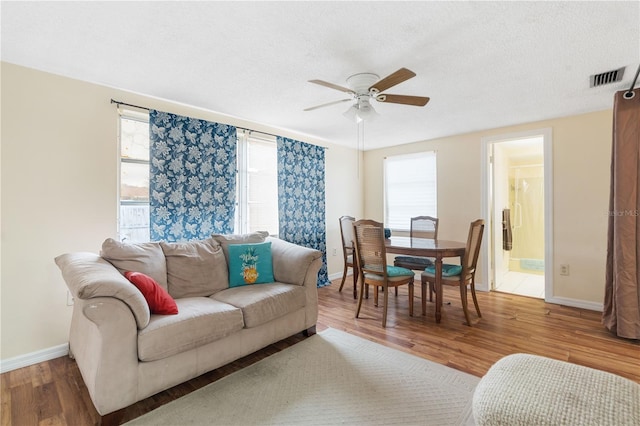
257	207
257	188
410	189
134	177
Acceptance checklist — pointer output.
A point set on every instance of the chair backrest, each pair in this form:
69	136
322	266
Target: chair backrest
424	227
474	240
346	231
369	245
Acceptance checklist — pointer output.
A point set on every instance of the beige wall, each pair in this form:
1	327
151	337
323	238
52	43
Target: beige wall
59	193
581	160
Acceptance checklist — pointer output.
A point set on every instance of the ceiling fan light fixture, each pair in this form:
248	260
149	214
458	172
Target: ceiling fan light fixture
366	112
352	113
361	110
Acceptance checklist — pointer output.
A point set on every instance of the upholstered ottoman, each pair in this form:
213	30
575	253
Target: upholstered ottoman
525	389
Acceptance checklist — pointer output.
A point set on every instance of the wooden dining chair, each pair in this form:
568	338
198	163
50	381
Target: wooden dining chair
348	252
371	257
421	227
459	275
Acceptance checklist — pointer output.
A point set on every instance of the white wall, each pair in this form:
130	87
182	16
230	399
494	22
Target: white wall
581	162
59	193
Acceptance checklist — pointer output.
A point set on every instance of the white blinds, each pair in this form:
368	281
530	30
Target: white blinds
410	188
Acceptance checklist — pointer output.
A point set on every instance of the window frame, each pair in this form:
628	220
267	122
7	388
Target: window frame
242	174
133	115
390	218
244	138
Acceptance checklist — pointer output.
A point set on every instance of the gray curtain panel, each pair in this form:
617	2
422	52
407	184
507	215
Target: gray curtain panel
621	312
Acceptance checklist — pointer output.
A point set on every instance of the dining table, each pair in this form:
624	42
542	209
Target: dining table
427	247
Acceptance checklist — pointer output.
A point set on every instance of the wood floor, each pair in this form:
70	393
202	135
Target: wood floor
53	393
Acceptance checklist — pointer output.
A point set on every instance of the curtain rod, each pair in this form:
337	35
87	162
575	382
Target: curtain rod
629	93
118	103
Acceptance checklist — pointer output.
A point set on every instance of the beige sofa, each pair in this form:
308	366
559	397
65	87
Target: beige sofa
126	354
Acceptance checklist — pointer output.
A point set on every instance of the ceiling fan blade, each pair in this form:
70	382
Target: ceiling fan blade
327	104
403	99
332	86
391	80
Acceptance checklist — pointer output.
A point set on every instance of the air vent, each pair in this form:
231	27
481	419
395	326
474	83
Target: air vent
608	77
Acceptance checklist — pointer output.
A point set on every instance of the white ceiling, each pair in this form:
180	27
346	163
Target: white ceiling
483	64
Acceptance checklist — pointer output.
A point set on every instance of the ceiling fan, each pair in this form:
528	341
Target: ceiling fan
364	86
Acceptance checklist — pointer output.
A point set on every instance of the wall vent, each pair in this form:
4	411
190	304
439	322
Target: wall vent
608	77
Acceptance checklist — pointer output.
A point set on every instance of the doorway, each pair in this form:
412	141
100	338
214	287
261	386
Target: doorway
518	204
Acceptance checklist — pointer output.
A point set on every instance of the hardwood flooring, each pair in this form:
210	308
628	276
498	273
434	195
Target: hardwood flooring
53	392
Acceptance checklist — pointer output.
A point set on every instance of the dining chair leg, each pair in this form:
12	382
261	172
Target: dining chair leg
344	277
475	299
463	296
438	292
396	291
362	284
424	297
355	283
375	295
410	298
386	303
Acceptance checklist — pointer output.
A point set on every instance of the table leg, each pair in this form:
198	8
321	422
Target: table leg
438	285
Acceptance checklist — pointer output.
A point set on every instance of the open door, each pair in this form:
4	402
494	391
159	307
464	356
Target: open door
517	204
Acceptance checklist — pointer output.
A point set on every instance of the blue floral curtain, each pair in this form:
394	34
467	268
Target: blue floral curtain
301	199
192	181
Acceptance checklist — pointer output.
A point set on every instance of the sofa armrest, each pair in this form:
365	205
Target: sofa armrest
291	262
297	265
88	276
104	341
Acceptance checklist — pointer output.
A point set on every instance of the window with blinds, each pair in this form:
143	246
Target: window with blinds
410	189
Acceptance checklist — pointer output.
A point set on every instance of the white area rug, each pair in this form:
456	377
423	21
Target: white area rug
330	378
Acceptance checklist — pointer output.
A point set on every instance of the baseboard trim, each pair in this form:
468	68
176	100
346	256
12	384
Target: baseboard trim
33	358
576	303
339	275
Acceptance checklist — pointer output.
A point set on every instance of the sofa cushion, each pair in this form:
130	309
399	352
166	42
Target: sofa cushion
227	239
147	258
200	320
195	268
250	264
263	303
159	301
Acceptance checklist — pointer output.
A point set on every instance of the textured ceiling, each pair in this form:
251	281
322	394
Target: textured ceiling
483	64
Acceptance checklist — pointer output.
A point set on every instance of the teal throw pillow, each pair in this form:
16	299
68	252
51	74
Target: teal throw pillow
447	270
250	264
397	271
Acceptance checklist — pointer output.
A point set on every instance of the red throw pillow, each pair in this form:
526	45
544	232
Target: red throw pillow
159	301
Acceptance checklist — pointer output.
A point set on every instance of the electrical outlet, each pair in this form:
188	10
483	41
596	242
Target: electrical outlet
564	269
69	298
335	252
